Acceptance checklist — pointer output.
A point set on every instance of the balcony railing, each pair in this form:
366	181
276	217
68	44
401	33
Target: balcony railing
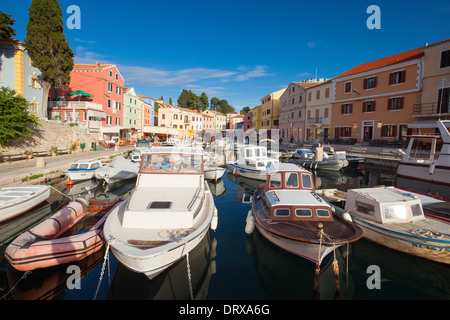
314	120
83	105
431	109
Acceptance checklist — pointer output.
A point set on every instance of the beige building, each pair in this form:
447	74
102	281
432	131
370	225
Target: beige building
256	117
292	110
318	112
435	95
270	110
220	120
179	118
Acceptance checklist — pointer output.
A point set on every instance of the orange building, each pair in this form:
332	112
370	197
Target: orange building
373	102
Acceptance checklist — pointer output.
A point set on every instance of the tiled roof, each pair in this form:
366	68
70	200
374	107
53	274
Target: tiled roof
93	66
383	62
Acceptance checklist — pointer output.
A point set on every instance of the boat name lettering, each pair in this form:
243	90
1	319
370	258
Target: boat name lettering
433	248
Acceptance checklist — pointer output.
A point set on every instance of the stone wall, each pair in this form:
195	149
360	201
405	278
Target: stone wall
50	134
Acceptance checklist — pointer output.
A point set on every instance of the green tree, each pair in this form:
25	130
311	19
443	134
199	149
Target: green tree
45	38
214	103
183	99
245	110
204	101
6	26
170	101
15	120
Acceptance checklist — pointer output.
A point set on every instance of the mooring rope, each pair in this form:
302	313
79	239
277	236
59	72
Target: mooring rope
14	286
105	259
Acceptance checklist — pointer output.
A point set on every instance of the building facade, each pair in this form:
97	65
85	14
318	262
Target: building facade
318	112
375	100
270	110
17	73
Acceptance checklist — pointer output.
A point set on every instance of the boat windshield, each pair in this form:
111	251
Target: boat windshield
172	163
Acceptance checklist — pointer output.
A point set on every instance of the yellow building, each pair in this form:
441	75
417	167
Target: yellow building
270	110
256	118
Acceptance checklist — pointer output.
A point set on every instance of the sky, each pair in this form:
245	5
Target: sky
239	50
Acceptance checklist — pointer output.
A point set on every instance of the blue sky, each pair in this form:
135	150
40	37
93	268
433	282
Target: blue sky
239	50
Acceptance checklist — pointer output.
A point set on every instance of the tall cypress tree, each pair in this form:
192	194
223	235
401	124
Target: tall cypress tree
45	39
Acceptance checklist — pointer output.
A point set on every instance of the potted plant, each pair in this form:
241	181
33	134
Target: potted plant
28	154
73	147
54	150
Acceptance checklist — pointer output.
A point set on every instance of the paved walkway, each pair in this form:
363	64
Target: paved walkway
12	173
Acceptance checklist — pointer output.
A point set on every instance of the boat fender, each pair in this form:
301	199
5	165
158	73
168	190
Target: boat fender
250	225
214	220
431	168
347	216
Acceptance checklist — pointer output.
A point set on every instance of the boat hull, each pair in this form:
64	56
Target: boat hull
305	250
331	165
152	261
80	175
27	198
435	249
421	171
247	172
214	173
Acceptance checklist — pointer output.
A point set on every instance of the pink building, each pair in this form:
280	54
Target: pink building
247	121
104	110
207	122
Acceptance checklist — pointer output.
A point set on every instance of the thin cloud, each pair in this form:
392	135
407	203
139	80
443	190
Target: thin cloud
311	44
259	71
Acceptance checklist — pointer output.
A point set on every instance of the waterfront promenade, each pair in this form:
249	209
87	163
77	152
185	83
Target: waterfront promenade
13	173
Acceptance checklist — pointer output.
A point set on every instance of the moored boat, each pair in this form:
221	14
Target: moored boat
166	216
251	162
213	172
19	199
81	170
395	219
317	159
288	213
42	246
117	170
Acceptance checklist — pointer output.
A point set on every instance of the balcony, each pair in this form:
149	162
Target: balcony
78	105
431	109
314	120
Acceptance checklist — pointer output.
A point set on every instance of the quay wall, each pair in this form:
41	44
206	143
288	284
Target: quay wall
50	134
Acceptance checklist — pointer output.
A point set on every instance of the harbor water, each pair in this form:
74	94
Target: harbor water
229	264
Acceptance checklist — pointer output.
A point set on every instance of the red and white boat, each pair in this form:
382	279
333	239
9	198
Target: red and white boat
288	212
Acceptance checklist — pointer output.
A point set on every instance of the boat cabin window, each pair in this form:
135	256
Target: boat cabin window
416	210
323	213
248	153
303	212
397	212
74	166
84	166
95	165
261	165
172	163
365	208
291	179
282	212
307	181
275	180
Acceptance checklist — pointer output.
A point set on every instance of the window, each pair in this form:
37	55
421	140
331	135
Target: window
109	86
108	119
275	180
445	59
306	181
323	213
397	77
117	76
309	96
303	212
117	120
388	130
348	87
346	108
346	132
326	113
369	106
292	101
175	117
395	103
365	208
291	179
317	94
118	105
327	92
110	73
281	212
118	90
370	83
300	98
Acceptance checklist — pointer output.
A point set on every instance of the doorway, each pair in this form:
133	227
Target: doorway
367	131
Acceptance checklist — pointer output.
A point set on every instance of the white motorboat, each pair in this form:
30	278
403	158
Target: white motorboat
251	162
430	169
18	200
288	213
167	215
394	218
84	169
213	172
117	170
317	159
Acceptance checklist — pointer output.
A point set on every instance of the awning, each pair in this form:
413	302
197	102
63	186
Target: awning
80	93
425	124
110	129
97	114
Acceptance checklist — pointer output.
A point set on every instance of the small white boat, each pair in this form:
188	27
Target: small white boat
251	162
82	169
288	213
317	159
117	170
168	214
415	166
213	172
18	200
395	219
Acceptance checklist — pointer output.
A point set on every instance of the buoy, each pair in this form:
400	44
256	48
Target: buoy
69	182
250	225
